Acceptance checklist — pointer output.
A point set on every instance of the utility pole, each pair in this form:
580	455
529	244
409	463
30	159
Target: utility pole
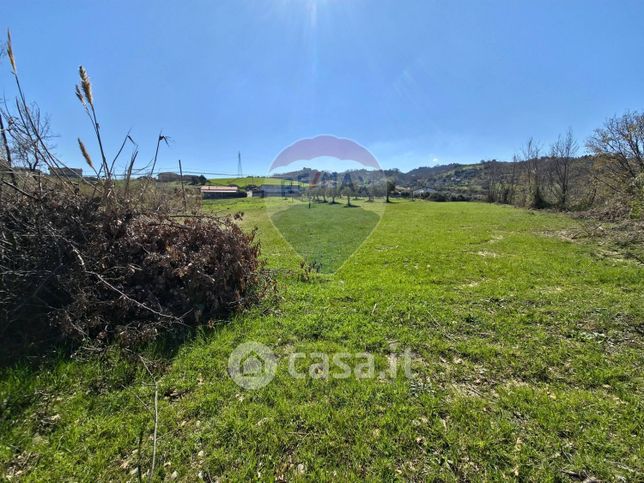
240	173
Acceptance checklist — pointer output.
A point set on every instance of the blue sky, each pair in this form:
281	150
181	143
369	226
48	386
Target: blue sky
418	82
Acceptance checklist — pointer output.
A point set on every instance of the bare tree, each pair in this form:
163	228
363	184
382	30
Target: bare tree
29	135
501	179
530	154
28	132
619	147
493	181
510	198
562	152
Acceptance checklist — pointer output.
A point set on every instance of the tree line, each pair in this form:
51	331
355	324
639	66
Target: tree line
327	186
610	176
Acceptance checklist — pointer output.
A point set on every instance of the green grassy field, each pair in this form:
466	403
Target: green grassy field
325	235
246	181
526	346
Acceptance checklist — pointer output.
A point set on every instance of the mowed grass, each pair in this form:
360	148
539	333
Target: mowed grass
527	364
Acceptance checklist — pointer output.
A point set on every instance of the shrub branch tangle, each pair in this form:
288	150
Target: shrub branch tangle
108	259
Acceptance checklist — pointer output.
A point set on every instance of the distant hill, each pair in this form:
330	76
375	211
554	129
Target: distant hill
463	179
448	181
449	178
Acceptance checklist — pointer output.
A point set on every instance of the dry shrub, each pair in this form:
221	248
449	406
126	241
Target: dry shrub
107	258
74	268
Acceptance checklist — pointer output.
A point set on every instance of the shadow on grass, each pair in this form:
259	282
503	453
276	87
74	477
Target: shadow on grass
45	350
38	346
30	377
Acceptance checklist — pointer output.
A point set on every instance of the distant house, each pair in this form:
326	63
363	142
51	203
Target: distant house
423	192
221	192
283	190
402	190
66	172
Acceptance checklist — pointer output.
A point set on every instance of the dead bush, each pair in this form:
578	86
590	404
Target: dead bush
72	268
107	258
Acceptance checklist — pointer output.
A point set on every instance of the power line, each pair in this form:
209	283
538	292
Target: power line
185	172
